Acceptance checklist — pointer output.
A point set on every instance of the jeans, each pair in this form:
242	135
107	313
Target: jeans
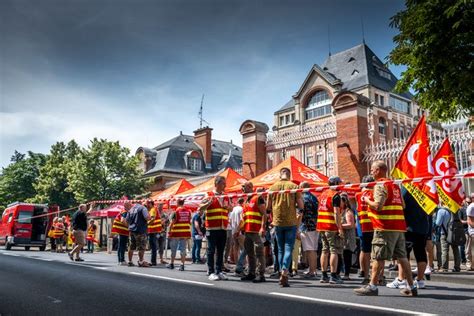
216	240
153	247
276	264
196	251
285	237
90	246
240	263
445	254
122	247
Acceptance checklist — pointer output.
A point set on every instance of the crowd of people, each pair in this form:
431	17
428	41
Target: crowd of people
290	232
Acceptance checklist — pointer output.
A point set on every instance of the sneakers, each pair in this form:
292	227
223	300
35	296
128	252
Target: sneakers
420	284
181	267
248	277
367	291
259	279
123	263
284	281
170	266
428	270
70	256
239	274
222	276
309	276
79	259
361	274
409	292
382	281
335	280
131	264
346	278
324	279
275	275
213	277
392	267
365	281
397	284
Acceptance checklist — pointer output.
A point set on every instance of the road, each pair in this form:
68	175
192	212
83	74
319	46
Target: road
42	283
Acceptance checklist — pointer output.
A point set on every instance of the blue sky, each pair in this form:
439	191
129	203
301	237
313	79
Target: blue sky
135	71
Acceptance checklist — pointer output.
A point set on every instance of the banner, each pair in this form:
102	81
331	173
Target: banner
450	190
415	161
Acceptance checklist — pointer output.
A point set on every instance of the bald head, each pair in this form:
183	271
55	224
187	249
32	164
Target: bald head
379	169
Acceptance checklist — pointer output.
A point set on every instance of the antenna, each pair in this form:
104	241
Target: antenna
329	42
362	26
201	120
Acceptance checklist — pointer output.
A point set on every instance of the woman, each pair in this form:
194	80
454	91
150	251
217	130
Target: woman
348	224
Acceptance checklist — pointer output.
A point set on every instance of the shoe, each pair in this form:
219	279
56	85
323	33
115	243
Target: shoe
456	270
163	262
367	291
335	280
78	259
170	266
284	281
181	267
153	264
131	264
225	270
248	277
259	279
201	262
397	284
239	274
293	274
361	274
309	276
365	281
428	270
346	278
414	270
275	275
222	276
213	277
70	256
419	284
383	281
393	268
409	292
324	279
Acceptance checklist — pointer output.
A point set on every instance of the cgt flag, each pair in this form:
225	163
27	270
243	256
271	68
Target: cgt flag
450	191
415	161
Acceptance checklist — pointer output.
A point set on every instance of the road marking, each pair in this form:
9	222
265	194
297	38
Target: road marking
379	308
171	279
10	254
42	259
54	300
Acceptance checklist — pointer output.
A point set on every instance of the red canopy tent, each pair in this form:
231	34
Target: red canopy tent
164	196
111	211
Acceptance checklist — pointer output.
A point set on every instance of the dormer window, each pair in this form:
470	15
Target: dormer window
287	119
194	164
355	73
351	59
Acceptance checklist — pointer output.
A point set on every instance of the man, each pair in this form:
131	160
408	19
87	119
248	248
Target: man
470	236
235	218
198	235
180	232
253	222
283	206
418	229
366	228
443	217
154	229
388	220
330	229
464	249
79	226
91	236
137	218
216	208
309	235
121	229
161	237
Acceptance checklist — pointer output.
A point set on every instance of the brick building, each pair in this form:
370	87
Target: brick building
341	108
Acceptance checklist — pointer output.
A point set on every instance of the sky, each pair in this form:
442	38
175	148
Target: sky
135	70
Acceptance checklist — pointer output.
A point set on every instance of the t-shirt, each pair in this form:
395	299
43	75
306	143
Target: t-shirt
197	218
79	220
136	219
284	205
443	216
235	218
470	213
310	212
416	219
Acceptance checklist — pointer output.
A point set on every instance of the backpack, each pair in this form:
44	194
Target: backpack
455	233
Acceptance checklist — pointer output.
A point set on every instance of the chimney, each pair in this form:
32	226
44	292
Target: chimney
203	137
254	153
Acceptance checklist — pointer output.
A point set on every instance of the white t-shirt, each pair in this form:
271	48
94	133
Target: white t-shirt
470	213
234	218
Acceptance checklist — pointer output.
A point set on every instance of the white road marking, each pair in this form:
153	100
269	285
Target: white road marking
42	259
10	254
379	308
54	300
171	279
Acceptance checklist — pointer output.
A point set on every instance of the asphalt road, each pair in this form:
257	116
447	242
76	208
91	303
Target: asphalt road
38	283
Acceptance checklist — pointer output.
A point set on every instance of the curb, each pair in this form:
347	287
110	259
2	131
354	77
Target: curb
464	278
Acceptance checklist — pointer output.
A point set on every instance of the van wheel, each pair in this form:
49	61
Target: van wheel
27	248
42	248
8	246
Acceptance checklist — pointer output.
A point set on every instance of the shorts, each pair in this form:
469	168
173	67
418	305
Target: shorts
366	242
178	243
79	237
417	243
332	242
138	241
309	240
388	245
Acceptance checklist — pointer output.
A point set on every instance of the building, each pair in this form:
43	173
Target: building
341	108
187	156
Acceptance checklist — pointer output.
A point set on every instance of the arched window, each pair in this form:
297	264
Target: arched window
318	105
382	126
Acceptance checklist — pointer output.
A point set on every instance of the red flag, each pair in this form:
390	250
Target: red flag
415	161
450	190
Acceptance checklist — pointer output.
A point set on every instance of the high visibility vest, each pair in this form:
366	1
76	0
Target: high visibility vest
154	225
91	233
391	216
182	224
118	227
363	211
58	232
217	217
326	215
251	216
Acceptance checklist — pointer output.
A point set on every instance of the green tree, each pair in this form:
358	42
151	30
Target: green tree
52	184
436	43
17	180
104	171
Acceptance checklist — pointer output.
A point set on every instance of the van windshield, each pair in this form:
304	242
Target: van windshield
24	217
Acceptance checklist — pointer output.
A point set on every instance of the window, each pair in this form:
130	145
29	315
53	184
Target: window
402	132
24	217
400	105
309	160
408	131
194	164
382	126
376	98
319	161
287	119
384	74
395	130
319	105
382	100
282	120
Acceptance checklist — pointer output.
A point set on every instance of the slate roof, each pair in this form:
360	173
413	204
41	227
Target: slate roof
170	156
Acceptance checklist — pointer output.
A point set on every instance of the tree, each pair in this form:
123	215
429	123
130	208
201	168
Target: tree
104	171
17	180
52	184
436	43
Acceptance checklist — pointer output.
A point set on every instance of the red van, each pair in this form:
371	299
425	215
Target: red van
21	225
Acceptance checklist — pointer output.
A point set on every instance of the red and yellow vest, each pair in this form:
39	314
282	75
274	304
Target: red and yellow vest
154	225
391	216
58	231
118	227
182	224
363	211
251	216
91	233
326	216
217	217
